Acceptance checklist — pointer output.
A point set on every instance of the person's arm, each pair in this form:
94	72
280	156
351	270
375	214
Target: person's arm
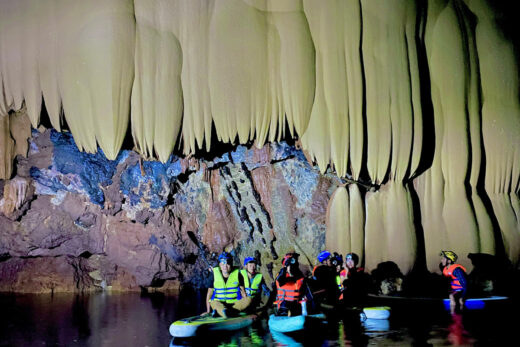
265	295
241	285
208	299
461	276
209	296
281	276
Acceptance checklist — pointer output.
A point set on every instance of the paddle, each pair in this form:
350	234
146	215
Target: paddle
194	239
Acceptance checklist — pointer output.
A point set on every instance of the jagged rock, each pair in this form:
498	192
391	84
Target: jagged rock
17	193
123	224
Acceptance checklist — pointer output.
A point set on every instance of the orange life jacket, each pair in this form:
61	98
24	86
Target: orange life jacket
448	272
290	291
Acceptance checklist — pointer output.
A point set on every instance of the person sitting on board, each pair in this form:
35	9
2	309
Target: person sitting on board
292	292
457	274
337	263
254	285
323	283
355	284
228	295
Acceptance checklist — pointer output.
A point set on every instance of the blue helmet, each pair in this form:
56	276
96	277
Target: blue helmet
249	260
324	255
225	258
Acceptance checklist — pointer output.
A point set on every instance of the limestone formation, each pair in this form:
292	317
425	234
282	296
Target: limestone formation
413	104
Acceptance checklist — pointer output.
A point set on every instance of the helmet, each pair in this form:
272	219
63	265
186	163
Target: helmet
324	255
225	258
249	260
290	258
353	256
449	255
337	259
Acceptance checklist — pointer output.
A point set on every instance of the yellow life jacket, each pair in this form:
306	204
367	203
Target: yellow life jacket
338	282
227	291
253	288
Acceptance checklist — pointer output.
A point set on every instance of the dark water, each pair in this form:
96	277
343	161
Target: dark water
136	320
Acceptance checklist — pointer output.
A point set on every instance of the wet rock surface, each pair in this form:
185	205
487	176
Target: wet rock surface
87	223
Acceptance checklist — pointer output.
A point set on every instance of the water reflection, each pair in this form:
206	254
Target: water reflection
143	320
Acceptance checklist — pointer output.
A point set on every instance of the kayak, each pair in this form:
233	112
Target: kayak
417	302
378	312
478	303
285	324
373	312
188	327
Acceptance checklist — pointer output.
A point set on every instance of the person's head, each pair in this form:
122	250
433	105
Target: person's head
250	265
351	260
225	262
448	257
324	257
337	261
290	261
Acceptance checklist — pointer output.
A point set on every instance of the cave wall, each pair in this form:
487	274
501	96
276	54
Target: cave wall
77	221
416	101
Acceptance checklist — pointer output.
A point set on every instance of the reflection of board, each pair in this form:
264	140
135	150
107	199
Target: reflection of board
478	303
190	326
284	324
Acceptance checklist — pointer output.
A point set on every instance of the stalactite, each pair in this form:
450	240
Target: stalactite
48	34
347	77
157	91
6	148
96	71
193	36
500	122
11	40
20	129
376	250
338	237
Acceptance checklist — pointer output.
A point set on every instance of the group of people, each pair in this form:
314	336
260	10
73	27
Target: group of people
333	282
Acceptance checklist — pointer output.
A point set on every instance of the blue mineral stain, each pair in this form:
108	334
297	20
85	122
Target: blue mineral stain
282	150
93	170
224	158
165	248
152	186
53	183
239	154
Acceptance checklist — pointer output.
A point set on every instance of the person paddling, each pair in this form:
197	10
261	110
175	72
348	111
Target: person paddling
323	283
254	284
292	292
228	295
457	274
355	286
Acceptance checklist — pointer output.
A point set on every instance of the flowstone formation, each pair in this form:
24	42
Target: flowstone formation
419	99
82	222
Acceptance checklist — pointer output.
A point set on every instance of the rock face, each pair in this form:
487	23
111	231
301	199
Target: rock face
78	221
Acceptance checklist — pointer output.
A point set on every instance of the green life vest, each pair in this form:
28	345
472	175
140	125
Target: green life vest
338	282
253	288
228	291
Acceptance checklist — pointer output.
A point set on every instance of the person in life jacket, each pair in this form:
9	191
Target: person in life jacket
228	295
292	292
457	274
337	264
324	283
355	282
254	285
